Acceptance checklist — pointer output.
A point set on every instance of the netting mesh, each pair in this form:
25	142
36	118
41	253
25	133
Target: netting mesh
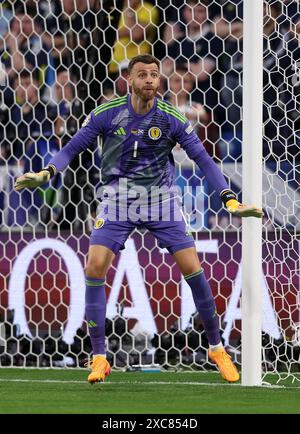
59	60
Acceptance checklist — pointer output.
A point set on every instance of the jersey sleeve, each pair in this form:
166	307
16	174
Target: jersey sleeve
92	127
190	142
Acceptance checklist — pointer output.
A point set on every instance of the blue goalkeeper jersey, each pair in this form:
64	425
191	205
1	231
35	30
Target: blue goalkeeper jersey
137	147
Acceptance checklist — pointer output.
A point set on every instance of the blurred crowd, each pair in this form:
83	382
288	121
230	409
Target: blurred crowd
61	59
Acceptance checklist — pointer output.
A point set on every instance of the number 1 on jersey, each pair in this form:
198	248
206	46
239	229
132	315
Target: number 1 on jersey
135	146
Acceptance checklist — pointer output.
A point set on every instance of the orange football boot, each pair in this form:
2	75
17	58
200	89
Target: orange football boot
100	369
225	365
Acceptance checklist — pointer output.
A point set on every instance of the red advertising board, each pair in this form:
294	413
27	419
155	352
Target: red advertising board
42	278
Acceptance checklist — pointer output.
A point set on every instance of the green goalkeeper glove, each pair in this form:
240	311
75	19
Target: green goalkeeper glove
32	180
237	208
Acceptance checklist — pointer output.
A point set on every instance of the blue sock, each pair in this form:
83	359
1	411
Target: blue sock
205	305
95	311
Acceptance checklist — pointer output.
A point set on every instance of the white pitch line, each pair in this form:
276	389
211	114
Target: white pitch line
22	380
142	383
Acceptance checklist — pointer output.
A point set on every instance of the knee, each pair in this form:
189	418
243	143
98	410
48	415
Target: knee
95	269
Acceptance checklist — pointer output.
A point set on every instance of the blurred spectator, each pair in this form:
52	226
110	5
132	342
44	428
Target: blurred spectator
281	92
29	143
229	112
287	11
281	51
181	85
75	31
121	82
67	107
227	18
191	41
5	17
29	117
280	96
70	28
136	32
11	56
194	47
230	10
34	145
117	87
108	95
24	48
188	41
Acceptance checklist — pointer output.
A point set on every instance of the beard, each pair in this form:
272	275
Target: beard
145	94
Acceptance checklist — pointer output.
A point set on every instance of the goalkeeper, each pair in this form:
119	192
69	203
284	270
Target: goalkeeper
139	132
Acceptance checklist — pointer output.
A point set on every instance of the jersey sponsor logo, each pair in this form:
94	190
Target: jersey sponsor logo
154	133
99	223
120	132
86	121
137	132
189	129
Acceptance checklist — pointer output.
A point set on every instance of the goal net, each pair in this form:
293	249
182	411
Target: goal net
59	60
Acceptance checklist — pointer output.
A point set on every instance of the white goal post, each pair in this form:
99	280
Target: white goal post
252	192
